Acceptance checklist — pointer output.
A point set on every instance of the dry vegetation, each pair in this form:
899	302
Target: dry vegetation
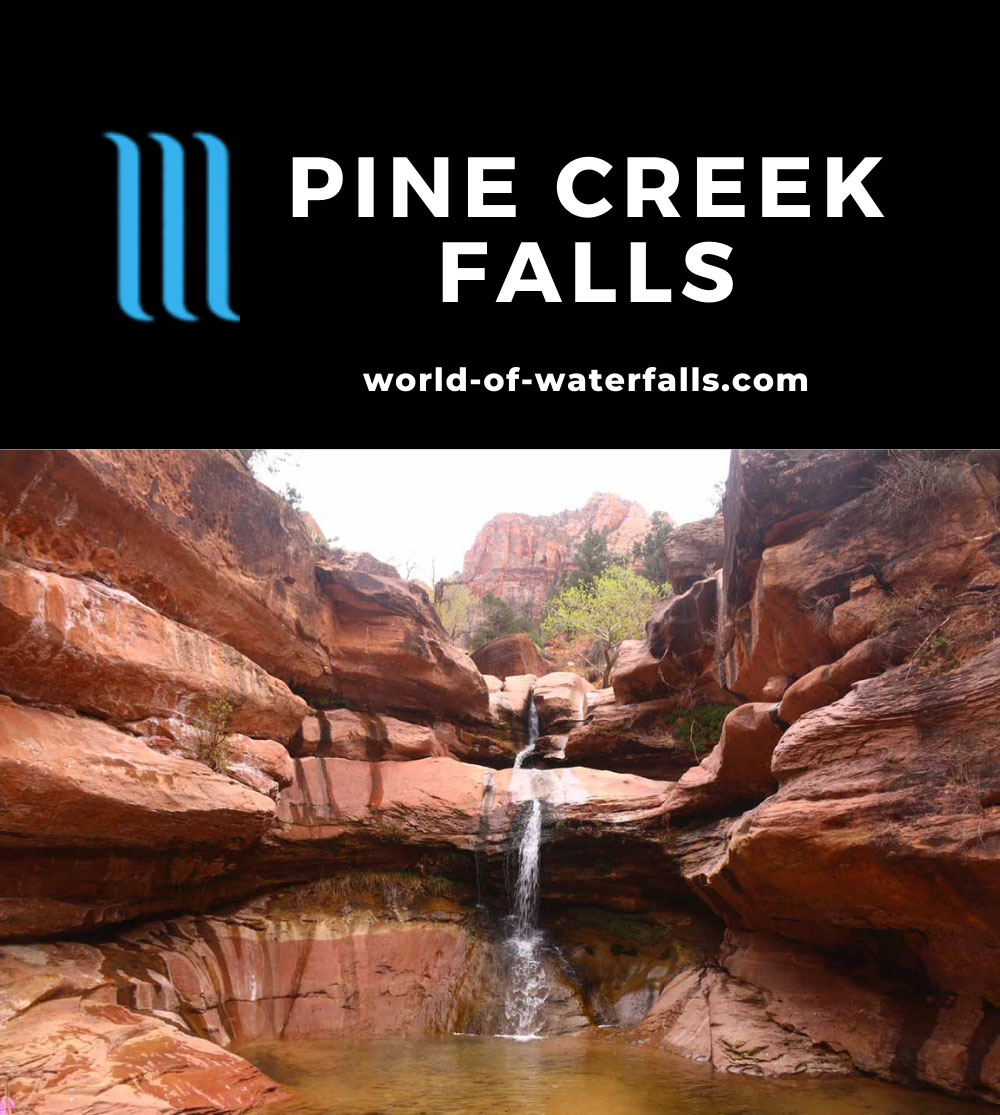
213	727
963	793
953	624
908	482
390	890
822	612
922	601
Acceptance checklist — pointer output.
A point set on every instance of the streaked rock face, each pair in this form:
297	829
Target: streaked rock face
321	975
80	644
446	801
95	825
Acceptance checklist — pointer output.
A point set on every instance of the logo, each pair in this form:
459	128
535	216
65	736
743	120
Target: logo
173	245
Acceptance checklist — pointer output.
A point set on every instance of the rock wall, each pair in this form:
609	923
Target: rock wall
144	1020
192	535
855	854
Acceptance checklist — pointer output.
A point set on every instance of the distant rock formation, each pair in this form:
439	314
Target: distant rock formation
520	558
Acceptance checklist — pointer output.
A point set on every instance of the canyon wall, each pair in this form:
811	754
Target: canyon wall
846	827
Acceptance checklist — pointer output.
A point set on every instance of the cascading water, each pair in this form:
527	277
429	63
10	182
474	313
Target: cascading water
532	743
527	989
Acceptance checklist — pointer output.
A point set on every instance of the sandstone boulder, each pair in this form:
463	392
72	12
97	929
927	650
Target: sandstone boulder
774	688
677	654
636	676
391	651
510	654
94	1057
262	764
511	704
635	738
855	618
826	684
596	698
737	773
561	699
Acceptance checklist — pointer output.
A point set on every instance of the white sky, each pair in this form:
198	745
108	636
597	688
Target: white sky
425	506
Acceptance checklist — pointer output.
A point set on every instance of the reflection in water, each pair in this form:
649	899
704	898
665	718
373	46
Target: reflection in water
558	1076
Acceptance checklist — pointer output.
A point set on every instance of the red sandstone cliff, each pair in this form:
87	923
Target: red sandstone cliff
520	557
814	888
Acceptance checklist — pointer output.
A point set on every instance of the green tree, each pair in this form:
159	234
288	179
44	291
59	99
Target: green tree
590	558
613	607
650	550
499	618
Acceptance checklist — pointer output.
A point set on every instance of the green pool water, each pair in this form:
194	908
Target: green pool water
557	1076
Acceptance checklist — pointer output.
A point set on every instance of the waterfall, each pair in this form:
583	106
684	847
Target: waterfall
527	988
529	747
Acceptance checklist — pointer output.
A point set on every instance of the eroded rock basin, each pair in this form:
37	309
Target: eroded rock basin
598	1073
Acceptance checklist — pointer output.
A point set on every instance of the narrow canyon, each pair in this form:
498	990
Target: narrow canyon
254	791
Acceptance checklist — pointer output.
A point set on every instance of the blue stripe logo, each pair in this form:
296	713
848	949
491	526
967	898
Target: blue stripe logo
217	224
